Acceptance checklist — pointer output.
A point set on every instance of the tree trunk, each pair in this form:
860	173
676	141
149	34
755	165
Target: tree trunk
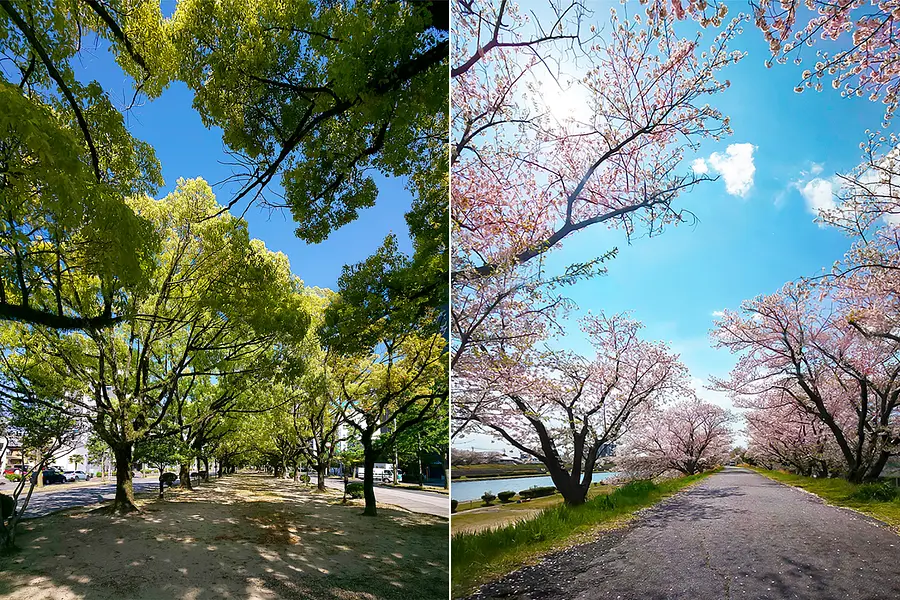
206	469
320	477
396	465
877	467
572	491
421	473
40	472
184	474
124	501
445	464
369	475
296	472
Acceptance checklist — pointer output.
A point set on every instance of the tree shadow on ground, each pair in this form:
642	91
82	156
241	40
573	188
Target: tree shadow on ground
239	537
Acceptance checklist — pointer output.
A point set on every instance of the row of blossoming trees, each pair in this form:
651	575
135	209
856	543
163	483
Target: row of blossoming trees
525	178
819	365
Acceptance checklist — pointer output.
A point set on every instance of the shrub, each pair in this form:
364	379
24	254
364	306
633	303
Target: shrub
883	491
13	477
538	492
488	497
355	490
505	496
454	504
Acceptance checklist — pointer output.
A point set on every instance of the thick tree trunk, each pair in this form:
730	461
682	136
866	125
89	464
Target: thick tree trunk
124	501
206	469
296	472
184	474
320	477
572	492
877	467
369	475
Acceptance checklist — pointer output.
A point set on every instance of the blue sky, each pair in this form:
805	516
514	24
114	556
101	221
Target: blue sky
742	246
187	149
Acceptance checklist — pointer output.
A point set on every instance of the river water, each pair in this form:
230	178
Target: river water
472	490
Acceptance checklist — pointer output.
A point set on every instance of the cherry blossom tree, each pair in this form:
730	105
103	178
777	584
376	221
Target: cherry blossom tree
562	408
805	347
865	64
525	178
782	434
690	436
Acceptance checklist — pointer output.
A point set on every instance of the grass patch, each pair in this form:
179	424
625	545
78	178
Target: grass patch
477	558
879	500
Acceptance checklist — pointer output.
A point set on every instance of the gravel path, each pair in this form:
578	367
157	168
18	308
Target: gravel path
736	535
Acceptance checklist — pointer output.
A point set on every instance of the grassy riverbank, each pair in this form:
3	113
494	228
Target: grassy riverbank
477	558
474	516
871	499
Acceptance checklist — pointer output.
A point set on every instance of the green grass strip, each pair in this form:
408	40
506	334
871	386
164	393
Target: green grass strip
880	500
477	558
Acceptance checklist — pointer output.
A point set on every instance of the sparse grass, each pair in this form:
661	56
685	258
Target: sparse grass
841	492
477	558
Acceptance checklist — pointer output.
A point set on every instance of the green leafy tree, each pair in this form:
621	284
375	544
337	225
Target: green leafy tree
76	459
46	428
214	299
392	368
70	245
338	90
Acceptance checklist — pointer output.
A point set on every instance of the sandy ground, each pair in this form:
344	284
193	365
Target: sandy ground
241	537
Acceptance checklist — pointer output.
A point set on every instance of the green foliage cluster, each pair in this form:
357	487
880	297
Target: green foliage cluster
505	496
355	489
488	497
883	491
538	492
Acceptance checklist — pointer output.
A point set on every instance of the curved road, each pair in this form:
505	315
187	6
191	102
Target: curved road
736	535
431	503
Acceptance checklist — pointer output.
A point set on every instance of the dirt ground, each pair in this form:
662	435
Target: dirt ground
241	537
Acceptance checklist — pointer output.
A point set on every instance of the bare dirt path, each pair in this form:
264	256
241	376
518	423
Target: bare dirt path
240	537
736	535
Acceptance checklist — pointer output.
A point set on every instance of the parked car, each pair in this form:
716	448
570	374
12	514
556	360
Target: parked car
76	476
50	476
15	469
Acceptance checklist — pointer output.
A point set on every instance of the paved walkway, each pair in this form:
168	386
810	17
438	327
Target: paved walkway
736	535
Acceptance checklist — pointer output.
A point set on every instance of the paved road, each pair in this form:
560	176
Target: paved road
430	503
737	535
59	496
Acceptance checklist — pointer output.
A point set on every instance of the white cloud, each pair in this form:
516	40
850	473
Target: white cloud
718	313
818	194
699	167
736	168
816	168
